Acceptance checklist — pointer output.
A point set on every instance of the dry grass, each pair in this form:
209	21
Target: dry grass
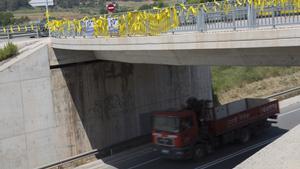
136	5
261	88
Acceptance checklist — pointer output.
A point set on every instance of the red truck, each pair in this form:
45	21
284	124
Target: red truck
200	128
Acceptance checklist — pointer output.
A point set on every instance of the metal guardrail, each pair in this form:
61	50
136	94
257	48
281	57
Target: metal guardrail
104	152
10	32
67	160
283	93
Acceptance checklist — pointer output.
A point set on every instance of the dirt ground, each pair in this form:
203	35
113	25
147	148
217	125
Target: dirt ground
261	88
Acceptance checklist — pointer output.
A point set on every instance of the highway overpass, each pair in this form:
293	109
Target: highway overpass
66	96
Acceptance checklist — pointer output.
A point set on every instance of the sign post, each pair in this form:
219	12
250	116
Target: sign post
46	3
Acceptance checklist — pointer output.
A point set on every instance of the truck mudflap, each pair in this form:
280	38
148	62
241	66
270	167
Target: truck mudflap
174	153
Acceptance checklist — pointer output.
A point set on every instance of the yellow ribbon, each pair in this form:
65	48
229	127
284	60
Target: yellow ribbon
11	29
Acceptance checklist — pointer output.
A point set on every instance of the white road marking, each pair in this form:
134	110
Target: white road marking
237	153
141	164
289	112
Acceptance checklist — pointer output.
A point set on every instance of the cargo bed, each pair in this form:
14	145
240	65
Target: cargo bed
241	113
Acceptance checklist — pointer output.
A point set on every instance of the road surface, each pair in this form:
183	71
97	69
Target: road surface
224	158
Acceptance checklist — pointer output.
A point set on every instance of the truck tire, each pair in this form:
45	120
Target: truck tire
244	135
199	153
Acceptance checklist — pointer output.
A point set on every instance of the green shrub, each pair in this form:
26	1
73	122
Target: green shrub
8	51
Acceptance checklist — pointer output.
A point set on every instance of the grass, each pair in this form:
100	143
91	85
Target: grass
8	51
229	77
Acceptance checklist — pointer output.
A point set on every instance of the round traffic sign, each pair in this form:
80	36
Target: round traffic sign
111	7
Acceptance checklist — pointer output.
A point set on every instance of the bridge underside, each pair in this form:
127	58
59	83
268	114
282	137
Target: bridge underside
280	56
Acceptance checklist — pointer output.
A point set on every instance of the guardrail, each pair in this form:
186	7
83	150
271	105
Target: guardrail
283	93
101	153
71	159
10	32
179	19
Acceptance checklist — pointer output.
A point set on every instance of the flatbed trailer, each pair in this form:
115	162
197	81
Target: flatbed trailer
242	113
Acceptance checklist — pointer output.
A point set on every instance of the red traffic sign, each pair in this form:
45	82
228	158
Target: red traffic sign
111	7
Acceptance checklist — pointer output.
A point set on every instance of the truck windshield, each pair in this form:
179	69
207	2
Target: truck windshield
169	123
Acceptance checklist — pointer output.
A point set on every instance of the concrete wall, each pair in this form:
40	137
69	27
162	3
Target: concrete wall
28	126
102	103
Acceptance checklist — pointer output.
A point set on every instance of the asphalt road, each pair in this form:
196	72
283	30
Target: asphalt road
225	158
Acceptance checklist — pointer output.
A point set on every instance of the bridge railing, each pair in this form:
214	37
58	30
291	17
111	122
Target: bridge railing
245	17
210	17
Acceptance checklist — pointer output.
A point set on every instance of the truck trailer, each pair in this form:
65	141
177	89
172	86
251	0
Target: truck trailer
200	128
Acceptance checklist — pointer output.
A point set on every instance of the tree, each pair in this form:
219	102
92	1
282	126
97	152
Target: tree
6	18
67	3
12	4
3	5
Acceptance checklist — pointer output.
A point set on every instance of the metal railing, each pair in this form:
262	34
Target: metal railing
240	18
71	159
286	92
100	153
204	19
10	32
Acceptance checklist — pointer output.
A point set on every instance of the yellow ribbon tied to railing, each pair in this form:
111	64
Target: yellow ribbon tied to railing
226	6
238	3
11	29
182	6
192	10
175	18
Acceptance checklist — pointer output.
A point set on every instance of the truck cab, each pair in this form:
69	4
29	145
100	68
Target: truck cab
175	133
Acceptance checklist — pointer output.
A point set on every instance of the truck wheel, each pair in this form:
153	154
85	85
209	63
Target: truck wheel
244	136
199	153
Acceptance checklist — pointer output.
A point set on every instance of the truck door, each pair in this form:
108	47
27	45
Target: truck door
188	130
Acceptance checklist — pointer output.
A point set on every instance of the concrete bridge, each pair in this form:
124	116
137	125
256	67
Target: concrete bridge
66	96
